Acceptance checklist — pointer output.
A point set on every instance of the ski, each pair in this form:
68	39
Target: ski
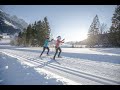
55	60
40	58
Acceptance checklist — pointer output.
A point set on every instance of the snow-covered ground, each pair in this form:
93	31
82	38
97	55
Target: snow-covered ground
79	66
4	41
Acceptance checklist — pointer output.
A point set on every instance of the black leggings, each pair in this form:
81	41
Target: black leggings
57	48
44	50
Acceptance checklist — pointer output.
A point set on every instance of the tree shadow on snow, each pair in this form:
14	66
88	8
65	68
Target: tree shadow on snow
94	57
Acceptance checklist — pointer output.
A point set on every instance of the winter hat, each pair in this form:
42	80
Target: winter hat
59	37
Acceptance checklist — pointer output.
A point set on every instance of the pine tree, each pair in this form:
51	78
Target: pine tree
19	39
38	32
103	39
35	34
0	37
94	27
28	34
103	27
47	27
45	30
93	32
114	36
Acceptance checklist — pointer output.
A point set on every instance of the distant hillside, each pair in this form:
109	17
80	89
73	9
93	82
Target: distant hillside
11	24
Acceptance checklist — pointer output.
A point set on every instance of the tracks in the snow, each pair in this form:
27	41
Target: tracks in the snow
53	66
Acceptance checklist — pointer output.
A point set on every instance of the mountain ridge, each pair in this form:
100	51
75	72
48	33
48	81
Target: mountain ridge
11	24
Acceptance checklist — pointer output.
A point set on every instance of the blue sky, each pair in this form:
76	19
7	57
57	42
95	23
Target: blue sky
69	21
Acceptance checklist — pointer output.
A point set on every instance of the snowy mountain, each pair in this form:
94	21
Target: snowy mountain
20	21
11	24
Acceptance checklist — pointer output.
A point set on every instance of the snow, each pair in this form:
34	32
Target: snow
79	66
66	45
1	10
10	24
5	41
15	73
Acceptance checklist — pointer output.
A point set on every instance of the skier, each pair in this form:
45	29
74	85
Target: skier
57	47
45	46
